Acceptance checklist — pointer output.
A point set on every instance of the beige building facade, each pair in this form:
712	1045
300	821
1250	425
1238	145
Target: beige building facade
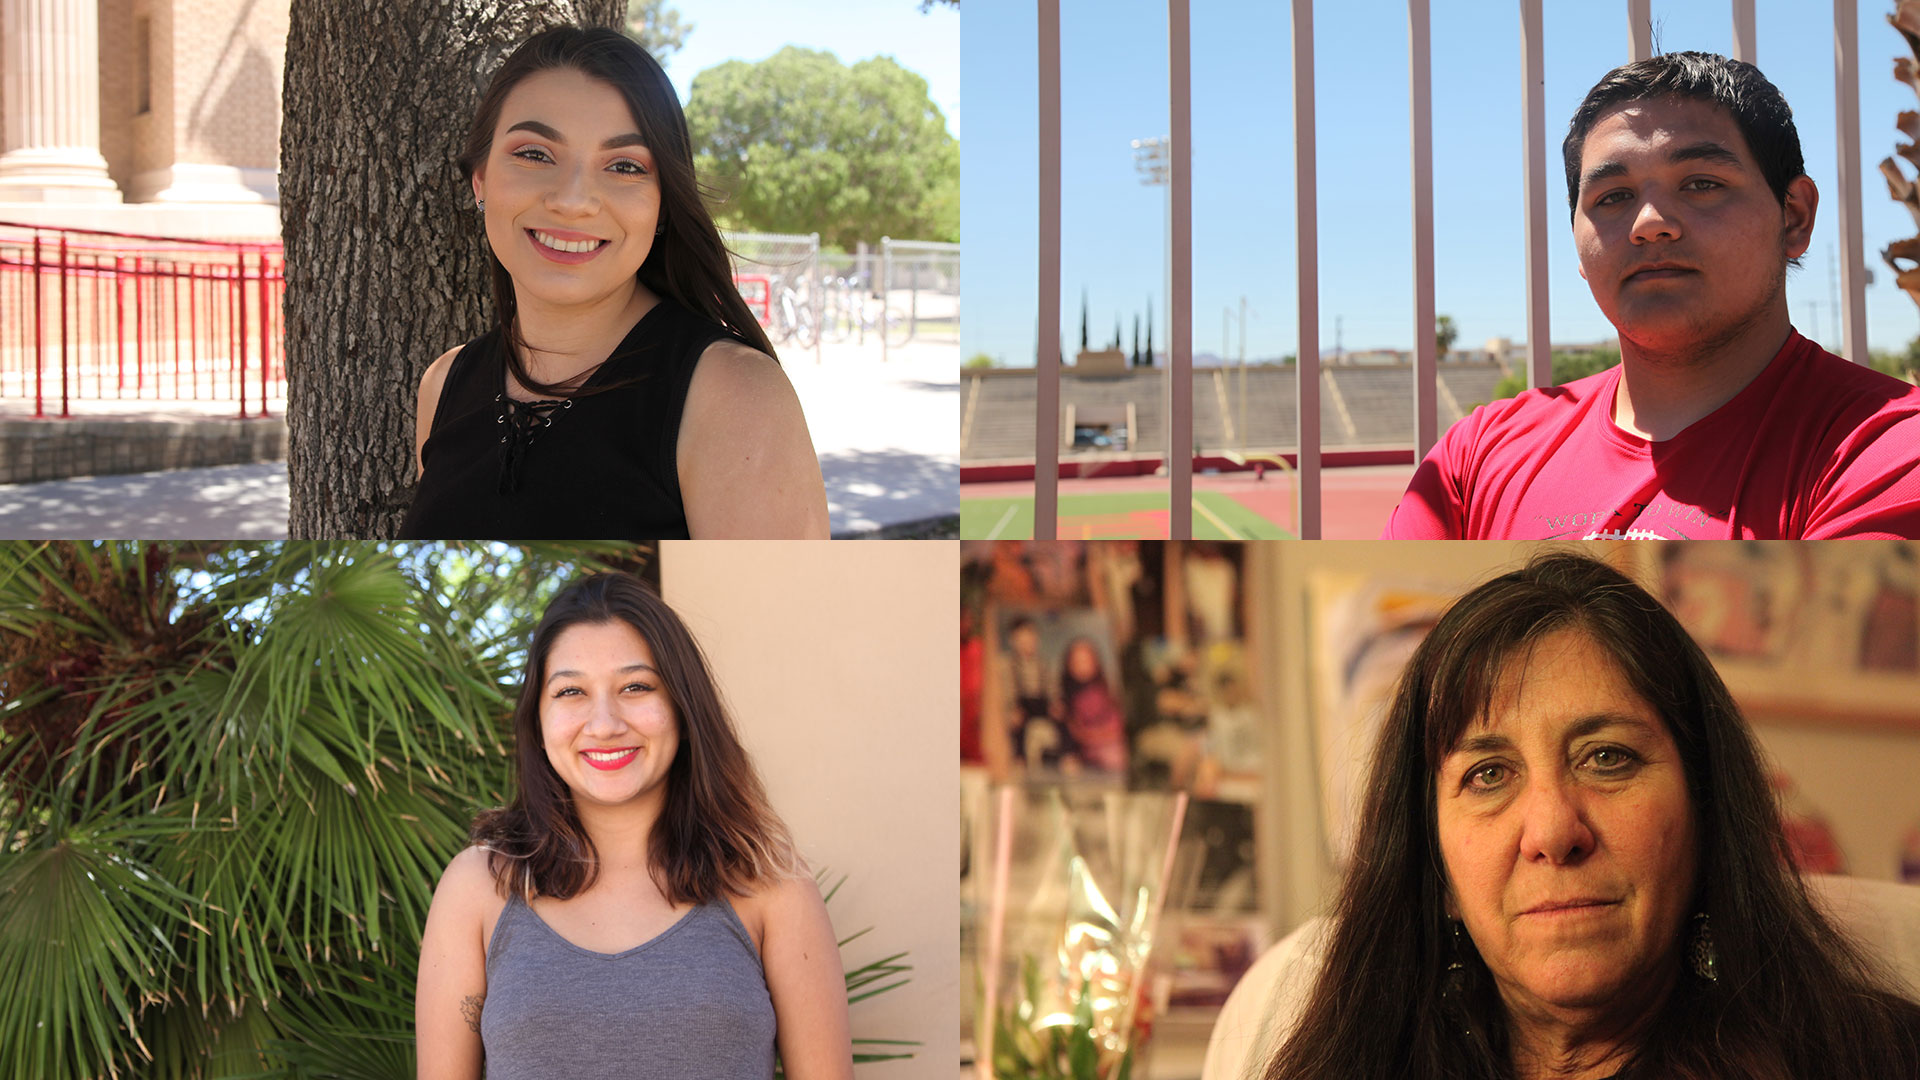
152	116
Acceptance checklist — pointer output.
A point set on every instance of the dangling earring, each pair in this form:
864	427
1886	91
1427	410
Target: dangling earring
1456	977
1701	955
1453	982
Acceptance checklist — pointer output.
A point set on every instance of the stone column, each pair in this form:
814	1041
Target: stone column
51	62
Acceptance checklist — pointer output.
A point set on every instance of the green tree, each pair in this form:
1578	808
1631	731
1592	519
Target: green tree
1568	365
1146	358
657	27
979	362
1445	334
1904	365
801	143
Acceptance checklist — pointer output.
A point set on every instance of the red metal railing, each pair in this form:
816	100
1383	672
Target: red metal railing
86	314
757	291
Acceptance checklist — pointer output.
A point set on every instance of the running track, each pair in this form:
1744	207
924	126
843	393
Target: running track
1355	502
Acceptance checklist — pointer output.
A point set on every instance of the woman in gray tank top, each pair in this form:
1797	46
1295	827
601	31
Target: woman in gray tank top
638	910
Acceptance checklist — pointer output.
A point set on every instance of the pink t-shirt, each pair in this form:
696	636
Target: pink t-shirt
1815	447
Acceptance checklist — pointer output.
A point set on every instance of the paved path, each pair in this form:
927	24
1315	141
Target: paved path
239	502
887	434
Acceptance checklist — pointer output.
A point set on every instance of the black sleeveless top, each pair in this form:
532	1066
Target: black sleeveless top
599	464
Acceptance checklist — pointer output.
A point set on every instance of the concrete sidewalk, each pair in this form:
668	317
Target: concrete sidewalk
888	437
237	502
888	434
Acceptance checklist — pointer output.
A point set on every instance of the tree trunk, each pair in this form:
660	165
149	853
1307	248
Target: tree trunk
386	256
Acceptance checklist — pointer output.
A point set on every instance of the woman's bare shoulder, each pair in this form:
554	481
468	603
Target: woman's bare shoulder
469	881
776	902
435	376
731	369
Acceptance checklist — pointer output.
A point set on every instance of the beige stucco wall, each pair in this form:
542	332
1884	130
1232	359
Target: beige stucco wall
841	664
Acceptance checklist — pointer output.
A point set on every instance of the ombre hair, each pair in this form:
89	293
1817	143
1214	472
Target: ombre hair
1794	997
716	835
688	262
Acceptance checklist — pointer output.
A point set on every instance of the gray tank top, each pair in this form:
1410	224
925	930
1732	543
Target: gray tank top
690	1004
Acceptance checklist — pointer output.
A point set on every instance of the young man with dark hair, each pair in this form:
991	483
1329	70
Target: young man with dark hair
1689	200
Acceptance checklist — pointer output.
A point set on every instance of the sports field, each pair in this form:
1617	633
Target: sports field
1355	504
1131	514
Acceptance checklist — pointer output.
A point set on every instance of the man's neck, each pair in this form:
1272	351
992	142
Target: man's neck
1663	391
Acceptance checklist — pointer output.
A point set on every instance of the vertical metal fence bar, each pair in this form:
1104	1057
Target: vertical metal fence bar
1180	317
1534	145
814	286
39	336
66	335
886	284
1744	43
99	327
139	324
193	325
240	331
120	322
266	328
1426	372
1846	123
1046	436
1307	269
1639	29
173	334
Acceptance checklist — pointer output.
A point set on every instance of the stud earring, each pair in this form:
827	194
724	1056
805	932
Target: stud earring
1701	955
480	205
660	229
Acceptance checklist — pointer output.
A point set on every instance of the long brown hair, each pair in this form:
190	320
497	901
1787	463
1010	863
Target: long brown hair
1793	999
716	834
688	262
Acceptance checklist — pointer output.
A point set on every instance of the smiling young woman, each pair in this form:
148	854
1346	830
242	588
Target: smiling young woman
626	391
638	910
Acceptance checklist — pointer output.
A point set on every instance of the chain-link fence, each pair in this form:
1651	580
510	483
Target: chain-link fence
902	292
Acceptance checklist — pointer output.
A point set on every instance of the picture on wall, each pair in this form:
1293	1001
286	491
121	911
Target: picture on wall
1770	613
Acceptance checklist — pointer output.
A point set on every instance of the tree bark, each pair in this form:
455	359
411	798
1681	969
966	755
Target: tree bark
386	256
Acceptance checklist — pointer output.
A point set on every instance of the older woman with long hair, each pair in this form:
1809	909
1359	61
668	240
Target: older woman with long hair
638	909
625	390
1569	864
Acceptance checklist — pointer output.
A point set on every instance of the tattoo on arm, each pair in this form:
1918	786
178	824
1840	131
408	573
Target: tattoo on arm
470	1008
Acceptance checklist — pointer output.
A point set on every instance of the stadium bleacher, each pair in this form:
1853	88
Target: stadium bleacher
1361	406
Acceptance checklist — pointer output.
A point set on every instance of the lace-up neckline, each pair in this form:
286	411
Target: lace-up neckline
522	422
497	469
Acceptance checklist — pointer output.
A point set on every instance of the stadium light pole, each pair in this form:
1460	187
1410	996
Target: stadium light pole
1151	160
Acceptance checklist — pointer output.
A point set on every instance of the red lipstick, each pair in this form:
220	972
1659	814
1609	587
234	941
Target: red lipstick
611	764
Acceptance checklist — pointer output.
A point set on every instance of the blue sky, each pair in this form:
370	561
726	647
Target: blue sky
853	30
1114	74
